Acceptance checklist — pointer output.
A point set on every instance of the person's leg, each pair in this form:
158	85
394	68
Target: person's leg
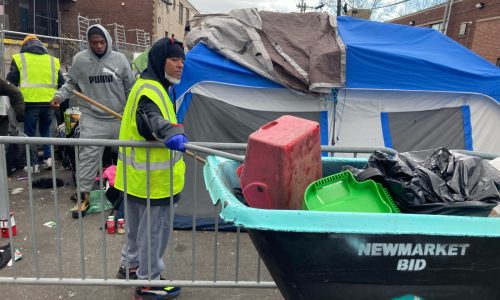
159	238
45	122
31	115
160	230
89	158
93	128
130	251
121	210
163	237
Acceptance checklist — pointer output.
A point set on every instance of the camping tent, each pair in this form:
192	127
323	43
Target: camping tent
405	87
393	74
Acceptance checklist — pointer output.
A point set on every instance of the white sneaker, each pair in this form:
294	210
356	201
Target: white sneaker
47	163
34	169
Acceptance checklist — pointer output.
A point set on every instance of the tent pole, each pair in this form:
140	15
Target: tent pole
335	99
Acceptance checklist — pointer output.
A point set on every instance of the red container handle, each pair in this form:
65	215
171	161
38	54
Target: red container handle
269	125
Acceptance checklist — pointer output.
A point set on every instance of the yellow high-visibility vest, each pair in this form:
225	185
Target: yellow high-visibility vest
135	159
38	76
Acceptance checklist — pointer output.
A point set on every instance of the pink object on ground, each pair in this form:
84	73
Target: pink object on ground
109	173
283	157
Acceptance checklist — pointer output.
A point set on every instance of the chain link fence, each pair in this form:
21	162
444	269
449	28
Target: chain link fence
64	48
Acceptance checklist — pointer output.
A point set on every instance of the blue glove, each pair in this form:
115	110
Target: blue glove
176	142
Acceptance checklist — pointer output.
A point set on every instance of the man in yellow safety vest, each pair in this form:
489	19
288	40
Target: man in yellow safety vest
38	76
155	174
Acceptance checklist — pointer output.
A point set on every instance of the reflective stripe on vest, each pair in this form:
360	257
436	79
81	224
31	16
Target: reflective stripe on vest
25	83
131	159
137	161
157	91
38	76
163	165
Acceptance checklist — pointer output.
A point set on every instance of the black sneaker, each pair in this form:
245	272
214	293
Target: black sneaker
156	293
122	273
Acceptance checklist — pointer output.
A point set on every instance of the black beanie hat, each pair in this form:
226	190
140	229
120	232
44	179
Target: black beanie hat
175	49
161	50
96	30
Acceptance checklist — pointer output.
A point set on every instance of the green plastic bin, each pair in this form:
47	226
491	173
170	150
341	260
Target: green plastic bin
342	193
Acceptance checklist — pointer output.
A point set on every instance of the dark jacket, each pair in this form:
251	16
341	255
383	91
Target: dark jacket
150	122
16	102
35	47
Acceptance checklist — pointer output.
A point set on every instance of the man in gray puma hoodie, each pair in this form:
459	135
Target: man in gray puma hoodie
105	76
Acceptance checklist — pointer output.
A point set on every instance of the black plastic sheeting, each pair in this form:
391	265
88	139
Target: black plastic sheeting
436	181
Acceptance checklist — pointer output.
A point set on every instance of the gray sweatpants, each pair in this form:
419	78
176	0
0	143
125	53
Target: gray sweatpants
94	128
138	239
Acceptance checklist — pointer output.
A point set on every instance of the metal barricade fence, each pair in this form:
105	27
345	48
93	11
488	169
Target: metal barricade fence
238	266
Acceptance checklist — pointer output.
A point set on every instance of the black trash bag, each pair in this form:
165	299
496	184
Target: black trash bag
46	183
5	255
436	181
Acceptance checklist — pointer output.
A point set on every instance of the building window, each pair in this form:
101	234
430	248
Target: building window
498	62
463	28
437	26
187	14
37	16
181	13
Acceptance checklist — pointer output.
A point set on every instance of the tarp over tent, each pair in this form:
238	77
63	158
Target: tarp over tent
299	51
392	56
407	88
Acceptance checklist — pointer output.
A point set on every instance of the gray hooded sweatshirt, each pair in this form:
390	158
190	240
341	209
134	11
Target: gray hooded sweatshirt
107	80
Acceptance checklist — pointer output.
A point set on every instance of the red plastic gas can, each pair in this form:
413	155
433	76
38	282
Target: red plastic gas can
283	157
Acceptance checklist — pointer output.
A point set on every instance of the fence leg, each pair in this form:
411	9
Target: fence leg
4	185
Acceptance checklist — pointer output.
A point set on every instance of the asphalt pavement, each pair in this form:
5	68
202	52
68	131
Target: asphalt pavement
178	258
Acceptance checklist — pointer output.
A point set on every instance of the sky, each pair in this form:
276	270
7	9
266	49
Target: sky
223	6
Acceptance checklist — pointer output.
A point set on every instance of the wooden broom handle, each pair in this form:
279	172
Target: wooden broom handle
117	115
95	103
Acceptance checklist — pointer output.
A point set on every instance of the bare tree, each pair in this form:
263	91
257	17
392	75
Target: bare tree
414	6
382	10
331	5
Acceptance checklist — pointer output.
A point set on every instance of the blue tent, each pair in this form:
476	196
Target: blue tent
205	65
379	56
391	56
401	82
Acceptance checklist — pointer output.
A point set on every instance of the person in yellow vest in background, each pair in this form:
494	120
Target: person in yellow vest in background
149	115
38	76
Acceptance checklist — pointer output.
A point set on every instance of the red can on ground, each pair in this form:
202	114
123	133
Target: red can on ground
110	225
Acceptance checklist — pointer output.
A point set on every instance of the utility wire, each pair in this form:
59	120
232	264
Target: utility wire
388	5
378	7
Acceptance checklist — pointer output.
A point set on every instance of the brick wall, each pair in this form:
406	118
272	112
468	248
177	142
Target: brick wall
132	14
486	40
482	26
